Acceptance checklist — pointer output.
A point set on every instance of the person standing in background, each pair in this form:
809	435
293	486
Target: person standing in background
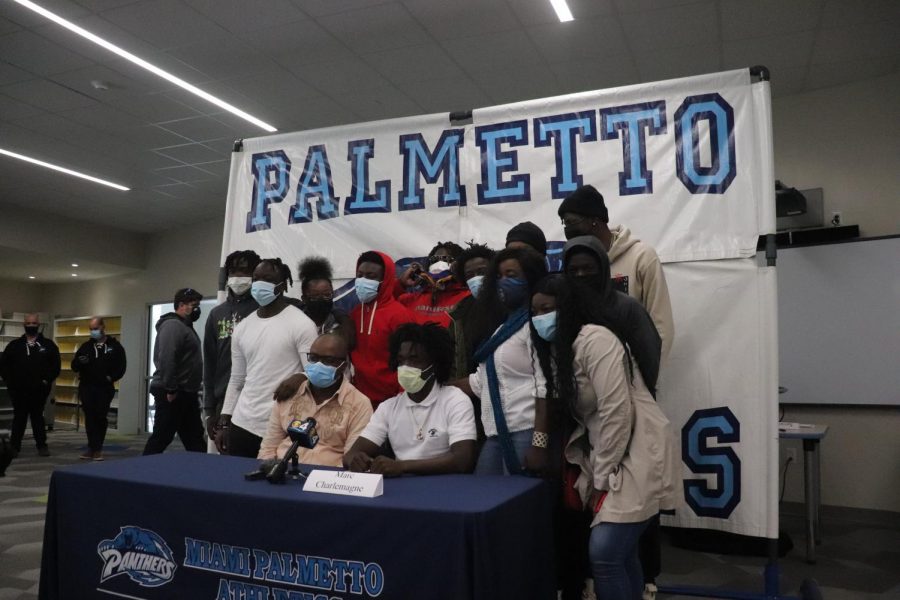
431	292
527	235
220	324
100	362
376	317
317	299
179	374
29	366
267	347
636	269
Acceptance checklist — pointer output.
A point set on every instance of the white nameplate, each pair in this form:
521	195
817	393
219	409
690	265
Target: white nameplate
345	483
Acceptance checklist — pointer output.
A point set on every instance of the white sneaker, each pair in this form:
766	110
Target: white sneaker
649	591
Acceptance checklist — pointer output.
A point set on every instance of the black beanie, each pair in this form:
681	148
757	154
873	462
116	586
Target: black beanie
530	234
586	201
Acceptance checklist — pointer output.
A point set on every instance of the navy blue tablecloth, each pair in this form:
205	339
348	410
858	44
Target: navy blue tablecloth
187	525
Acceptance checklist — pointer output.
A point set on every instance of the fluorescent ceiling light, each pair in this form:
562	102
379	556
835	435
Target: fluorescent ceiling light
75	264
63	170
144	64
560	6
31	277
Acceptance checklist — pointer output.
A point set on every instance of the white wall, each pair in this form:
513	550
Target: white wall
16	296
185	257
845	139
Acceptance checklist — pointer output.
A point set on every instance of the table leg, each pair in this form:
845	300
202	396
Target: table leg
809	500
817	475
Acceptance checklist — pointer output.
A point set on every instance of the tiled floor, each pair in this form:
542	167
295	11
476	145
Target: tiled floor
856	561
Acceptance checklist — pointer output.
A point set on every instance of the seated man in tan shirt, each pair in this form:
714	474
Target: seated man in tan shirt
340	410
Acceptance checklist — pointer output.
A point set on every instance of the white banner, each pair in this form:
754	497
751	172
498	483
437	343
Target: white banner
686	164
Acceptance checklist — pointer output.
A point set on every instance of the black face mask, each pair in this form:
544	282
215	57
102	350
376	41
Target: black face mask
195	314
594	282
574	231
32	330
318	309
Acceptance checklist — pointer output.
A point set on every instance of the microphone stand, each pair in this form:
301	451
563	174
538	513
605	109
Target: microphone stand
276	475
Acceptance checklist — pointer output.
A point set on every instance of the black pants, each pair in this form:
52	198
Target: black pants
181	416
28	404
241	442
95	400
650	551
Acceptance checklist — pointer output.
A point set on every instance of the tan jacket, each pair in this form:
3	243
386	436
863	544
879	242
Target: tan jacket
623	442
629	257
339	421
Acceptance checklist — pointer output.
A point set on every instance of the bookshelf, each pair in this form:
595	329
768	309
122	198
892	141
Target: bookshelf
69	335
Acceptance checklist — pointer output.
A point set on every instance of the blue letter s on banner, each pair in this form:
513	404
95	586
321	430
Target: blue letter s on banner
721	499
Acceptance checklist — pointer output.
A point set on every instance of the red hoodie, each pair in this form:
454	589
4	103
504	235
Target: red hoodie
375	322
445	301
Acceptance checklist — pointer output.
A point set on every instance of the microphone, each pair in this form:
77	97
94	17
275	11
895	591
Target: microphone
304	434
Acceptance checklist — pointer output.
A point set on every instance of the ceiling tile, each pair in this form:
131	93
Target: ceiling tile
11	109
840	13
376	28
672	27
190	153
239	16
208	58
629	6
383	102
103	118
223	146
219	168
164	23
338	77
530	12
587	75
183	174
518	83
320	8
320	111
101	5
678	62
494	51
47	95
117	84
583	38
28	18
10	74
151	136
775	52
846	71
33	53
449	95
197	128
741	19
300	42
788	80
450	20
7	26
432	62
863	40
155	107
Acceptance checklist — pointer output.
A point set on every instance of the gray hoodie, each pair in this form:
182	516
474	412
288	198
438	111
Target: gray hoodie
176	356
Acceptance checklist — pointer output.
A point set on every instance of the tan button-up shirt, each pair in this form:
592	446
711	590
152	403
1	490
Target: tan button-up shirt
339	421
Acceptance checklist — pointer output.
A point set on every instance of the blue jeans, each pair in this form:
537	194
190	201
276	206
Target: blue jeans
490	461
613	551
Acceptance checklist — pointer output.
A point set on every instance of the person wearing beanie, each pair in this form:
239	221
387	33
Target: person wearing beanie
636	268
528	235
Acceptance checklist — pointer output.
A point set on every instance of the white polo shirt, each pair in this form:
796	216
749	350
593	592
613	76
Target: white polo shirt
521	380
426	429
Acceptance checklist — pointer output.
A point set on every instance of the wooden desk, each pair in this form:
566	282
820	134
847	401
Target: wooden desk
812	485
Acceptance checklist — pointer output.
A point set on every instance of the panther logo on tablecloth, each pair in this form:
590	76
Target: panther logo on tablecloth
139	553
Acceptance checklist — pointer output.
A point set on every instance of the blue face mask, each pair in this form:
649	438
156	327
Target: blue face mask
512	291
263	292
545	325
96	334
475	284
320	375
366	289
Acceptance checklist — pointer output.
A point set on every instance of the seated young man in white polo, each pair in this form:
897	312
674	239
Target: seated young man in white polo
430	426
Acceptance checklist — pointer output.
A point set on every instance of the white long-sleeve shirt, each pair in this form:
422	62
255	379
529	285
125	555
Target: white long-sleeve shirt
521	381
264	352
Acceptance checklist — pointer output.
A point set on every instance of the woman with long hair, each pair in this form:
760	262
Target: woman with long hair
622	444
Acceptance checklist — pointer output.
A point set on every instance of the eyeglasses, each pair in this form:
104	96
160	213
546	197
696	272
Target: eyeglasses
331	361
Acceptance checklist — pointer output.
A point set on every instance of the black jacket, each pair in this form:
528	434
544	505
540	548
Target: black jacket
641	335
217	346
176	356
99	364
30	368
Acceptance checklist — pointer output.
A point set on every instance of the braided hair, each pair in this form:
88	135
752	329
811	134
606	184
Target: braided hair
473	251
284	271
240	258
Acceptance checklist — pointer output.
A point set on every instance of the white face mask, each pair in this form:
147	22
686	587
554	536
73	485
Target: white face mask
239	285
